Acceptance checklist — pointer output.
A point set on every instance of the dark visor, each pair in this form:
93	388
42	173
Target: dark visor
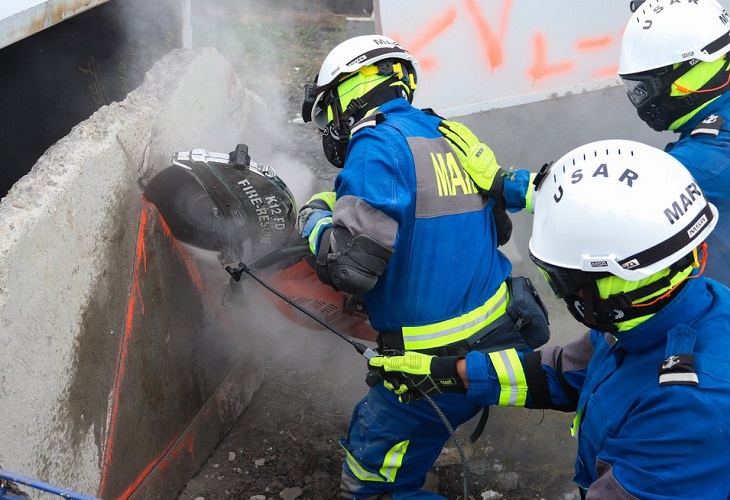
564	281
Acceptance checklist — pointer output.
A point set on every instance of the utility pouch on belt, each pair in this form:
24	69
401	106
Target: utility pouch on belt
525	326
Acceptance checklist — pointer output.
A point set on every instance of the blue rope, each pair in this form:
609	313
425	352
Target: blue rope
6	475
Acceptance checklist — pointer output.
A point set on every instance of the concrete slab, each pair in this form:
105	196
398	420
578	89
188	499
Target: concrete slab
120	371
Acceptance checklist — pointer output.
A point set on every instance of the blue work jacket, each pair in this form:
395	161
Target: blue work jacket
637	437
707	157
396	186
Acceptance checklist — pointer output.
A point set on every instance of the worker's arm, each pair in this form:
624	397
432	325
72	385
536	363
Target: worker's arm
513	187
550	378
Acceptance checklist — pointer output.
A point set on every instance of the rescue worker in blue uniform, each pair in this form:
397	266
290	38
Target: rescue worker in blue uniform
408	230
650	382
675	69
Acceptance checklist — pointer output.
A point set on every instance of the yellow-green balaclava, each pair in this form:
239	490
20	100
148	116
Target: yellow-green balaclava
357	95
706	79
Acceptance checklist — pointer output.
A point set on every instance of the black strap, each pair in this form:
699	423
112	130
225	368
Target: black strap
568	389
537	381
480	425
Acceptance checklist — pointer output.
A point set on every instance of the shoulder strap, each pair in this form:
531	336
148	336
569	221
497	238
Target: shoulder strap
369	121
709	126
678	367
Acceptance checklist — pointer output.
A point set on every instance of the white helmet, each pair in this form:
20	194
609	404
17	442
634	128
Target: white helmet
664	32
346	58
616	207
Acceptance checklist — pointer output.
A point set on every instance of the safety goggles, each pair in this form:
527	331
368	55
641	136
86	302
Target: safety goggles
644	88
564	281
311	106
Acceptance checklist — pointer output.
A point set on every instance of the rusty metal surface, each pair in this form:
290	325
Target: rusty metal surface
22	18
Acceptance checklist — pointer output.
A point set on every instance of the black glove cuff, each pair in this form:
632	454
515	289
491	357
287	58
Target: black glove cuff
443	371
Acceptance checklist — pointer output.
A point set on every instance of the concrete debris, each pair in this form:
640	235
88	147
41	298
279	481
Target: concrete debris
259	462
491	495
232	456
258	497
508	480
290	493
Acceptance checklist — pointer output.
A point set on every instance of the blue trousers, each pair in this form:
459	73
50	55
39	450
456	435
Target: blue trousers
391	446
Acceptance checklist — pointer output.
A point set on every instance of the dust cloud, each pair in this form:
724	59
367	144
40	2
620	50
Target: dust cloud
268	44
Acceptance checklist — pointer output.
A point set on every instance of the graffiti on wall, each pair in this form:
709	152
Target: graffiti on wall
480	54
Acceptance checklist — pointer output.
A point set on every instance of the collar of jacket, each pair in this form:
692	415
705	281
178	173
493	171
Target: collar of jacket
691	304
711	108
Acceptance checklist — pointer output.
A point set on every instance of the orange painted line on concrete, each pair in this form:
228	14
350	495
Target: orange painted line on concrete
179	249
184	441
193	272
134	294
188	445
540	68
491	41
595	43
433	30
135	484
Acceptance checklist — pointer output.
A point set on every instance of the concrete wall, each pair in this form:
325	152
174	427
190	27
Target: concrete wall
107	325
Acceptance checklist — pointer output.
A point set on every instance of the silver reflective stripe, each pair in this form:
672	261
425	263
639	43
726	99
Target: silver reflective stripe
512	377
690	378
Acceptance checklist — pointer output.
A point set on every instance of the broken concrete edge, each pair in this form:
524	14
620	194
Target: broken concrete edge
62	228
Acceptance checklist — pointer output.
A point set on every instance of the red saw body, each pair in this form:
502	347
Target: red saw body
341	311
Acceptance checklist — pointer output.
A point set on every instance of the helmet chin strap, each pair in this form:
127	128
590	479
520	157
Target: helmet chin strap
337	134
660	114
605	314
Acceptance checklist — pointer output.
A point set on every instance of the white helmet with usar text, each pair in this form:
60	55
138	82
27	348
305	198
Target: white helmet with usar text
616	207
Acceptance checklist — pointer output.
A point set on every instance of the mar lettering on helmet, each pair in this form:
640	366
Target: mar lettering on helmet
674	66
661	216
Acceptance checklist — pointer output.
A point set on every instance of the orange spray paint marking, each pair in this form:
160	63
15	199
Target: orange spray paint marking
187	445
596	43
491	42
191	267
428	64
178	248
435	29
540	68
134	295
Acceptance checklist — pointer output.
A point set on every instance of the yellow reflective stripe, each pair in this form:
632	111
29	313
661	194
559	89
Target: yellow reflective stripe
360	472
314	235
391	463
456	329
393	460
575	426
328	197
530	193
513	385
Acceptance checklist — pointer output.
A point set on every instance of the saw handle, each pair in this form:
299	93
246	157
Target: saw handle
240	158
